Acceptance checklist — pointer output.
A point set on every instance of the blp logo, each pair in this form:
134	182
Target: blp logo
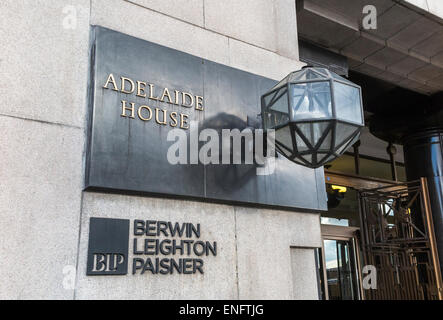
109	262
108	246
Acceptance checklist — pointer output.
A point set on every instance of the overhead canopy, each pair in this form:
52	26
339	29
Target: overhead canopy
406	49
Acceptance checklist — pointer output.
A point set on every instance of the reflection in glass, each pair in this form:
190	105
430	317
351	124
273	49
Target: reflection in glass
342	208
334	221
312	100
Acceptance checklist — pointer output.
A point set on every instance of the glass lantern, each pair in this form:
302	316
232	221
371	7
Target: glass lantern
316	114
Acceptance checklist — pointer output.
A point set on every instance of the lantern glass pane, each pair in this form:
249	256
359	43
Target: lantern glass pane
282	82
275	119
296	160
327	142
355	139
267	98
342	149
297	76
307	74
347	102
328	158
280	102
285	152
322	156
311	100
313	131
301	145
343	132
307	157
276	109
323	71
347	145
311	75
283	135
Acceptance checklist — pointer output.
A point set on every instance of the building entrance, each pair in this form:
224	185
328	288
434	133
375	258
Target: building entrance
380	223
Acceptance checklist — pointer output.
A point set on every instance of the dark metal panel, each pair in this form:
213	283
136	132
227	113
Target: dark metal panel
129	154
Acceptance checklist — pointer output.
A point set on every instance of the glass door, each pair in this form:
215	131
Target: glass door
340	269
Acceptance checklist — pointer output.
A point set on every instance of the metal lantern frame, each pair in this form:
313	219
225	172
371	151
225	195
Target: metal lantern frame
319	156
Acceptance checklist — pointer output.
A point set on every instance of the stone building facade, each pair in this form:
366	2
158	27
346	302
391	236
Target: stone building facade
262	252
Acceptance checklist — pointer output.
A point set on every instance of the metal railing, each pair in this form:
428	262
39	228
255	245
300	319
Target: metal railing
398	239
